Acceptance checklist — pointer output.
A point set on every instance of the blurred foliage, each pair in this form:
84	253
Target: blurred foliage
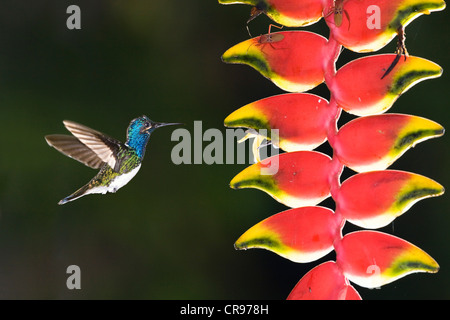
169	233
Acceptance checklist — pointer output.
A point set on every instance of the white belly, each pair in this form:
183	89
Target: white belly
116	183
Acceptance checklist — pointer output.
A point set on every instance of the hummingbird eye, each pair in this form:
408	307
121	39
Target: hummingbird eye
145	127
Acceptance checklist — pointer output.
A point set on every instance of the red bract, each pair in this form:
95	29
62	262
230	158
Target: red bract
302	119
372	259
291	13
283	59
300	178
371	24
295	178
324	282
359	89
375	142
374	199
302	234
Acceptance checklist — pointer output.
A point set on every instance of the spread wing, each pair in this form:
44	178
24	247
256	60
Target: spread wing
91	144
72	147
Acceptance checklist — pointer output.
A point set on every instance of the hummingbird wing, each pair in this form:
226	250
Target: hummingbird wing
72	147
105	147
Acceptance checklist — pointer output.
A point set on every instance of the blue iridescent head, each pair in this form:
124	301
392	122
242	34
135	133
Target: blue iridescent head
139	132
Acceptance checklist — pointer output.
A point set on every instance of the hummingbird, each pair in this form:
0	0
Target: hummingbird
118	162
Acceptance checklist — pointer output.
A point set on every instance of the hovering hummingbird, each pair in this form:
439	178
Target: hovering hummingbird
118	162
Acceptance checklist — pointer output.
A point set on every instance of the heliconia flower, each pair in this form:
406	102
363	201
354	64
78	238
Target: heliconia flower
301	119
291	59
301	235
359	89
375	142
297	61
294	179
258	140
372	259
290	13
324	282
368	25
374	199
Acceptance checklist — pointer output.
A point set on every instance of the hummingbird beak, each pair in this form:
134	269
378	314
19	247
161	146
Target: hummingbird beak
162	124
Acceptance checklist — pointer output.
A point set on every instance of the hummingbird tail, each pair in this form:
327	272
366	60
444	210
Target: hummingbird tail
77	194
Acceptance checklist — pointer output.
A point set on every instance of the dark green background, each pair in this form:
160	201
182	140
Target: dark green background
169	233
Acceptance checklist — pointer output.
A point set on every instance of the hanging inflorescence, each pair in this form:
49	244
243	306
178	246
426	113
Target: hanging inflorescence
297	61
